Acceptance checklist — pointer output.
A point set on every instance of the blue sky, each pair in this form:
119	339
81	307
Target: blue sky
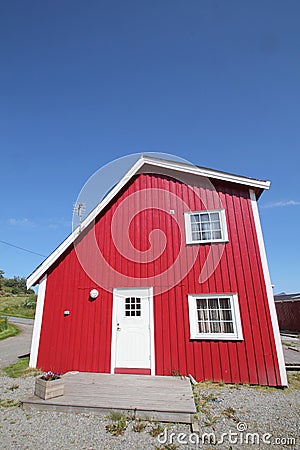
83	83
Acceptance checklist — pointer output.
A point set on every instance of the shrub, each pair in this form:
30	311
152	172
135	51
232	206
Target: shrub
118	424
29	303
3	324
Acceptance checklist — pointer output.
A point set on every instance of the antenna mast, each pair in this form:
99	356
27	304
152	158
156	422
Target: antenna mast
79	210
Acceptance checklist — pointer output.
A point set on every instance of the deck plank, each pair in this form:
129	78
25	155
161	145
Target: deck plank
168	399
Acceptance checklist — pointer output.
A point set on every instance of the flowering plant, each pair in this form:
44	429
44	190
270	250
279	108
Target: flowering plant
50	376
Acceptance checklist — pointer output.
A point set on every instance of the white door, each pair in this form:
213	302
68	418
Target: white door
132	330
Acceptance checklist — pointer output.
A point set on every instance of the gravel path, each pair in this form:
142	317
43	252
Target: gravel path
222	408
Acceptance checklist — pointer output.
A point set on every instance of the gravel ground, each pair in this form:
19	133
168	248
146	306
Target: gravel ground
222	409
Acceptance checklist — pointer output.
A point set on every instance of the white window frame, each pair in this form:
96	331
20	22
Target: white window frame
188	226
236	318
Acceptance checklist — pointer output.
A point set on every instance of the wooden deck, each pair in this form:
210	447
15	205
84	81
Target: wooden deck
166	399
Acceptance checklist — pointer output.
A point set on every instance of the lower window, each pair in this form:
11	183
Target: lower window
215	316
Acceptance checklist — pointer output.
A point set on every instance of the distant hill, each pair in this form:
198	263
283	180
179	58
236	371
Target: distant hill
15	299
15	285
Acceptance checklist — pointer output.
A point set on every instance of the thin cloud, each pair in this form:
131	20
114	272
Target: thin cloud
55	223
281	204
24	222
21	222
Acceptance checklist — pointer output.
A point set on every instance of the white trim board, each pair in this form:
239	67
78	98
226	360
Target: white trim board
35	342
142	161
269	289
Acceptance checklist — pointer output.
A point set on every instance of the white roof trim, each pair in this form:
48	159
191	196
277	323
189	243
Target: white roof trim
209	173
143	160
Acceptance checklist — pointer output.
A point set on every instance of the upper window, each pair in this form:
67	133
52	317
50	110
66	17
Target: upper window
215	317
205	226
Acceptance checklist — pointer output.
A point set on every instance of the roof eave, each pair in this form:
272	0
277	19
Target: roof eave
205	172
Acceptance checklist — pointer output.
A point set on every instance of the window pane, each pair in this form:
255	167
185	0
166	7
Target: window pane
201	303
228	327
202	314
224	303
196	236
216	226
195	218
226	315
214	216
138	313
206	236
195	226
205	226
216	235
204	217
214	314
215	327
127	313
203	327
213	303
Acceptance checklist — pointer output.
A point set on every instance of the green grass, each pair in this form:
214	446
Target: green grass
294	380
20	369
139	425
12	306
156	429
6	288
117	425
6	403
11	330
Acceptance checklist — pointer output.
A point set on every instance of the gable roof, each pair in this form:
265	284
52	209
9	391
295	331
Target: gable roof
258	185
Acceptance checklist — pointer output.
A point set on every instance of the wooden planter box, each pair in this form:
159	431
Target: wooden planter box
49	389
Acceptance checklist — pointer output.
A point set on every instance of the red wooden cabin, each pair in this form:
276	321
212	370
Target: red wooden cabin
167	275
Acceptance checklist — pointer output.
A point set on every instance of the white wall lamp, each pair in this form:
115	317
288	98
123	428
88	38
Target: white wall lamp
94	294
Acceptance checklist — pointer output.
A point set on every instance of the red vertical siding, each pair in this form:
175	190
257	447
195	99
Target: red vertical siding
82	340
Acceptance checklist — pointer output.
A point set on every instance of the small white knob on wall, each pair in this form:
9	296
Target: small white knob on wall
94	293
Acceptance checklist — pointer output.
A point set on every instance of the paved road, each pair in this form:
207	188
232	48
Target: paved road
291	356
291	350
15	346
20	320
